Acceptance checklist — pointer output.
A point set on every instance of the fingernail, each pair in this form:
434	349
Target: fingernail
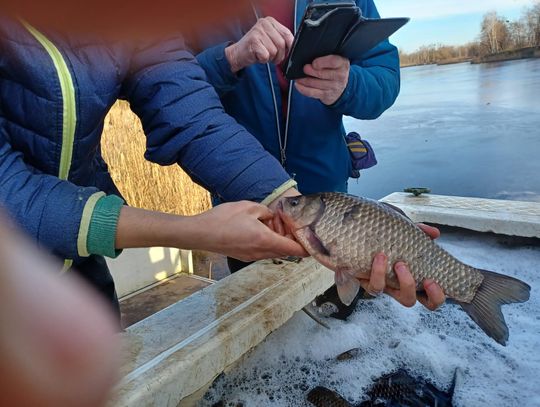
401	268
380	258
374	293
428	284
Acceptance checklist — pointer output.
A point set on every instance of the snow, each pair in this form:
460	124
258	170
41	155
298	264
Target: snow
302	355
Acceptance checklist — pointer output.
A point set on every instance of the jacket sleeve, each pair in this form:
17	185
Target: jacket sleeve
217	68
374	80
185	123
56	213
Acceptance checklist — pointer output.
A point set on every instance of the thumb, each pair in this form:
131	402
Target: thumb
261	212
288	247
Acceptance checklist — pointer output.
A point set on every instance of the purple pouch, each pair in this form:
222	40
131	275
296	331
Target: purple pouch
362	154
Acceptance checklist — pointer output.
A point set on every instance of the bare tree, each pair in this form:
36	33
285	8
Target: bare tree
494	35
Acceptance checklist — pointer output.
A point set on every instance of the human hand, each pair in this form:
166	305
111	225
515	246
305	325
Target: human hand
406	294
238	230
267	41
50	355
327	79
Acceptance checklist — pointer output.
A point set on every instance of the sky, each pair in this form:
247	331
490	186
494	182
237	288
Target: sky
443	21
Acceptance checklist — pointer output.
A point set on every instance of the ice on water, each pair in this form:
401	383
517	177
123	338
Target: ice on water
302	355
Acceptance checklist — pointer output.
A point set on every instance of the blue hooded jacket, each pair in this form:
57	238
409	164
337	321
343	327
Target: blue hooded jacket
316	151
54	95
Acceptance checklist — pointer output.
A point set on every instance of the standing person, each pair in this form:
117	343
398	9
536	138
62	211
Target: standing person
55	91
300	122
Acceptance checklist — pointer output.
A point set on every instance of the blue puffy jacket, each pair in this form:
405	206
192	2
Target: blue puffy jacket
54	95
316	152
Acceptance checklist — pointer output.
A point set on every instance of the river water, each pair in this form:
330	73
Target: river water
468	130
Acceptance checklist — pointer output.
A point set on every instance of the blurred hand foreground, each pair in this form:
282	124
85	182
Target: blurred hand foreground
58	345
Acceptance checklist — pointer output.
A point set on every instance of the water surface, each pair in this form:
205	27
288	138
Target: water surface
468	130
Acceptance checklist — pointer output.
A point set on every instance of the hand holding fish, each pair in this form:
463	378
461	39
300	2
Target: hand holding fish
239	231
407	294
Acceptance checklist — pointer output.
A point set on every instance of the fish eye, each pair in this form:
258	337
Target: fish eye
295	202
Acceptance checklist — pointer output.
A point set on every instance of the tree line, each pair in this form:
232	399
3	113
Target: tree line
497	34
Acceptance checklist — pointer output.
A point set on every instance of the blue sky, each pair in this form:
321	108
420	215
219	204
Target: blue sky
444	21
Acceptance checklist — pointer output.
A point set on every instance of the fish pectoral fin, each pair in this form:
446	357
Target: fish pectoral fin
485	308
347	286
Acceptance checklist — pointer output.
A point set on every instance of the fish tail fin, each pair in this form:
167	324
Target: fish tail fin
485	308
347	286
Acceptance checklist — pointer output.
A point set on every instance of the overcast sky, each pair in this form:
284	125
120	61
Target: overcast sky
444	21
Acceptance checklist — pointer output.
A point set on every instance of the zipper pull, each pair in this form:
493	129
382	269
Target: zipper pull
283	157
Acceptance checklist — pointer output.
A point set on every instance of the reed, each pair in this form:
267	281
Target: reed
143	184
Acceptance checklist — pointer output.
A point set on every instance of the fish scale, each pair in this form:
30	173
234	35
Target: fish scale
345	233
381	229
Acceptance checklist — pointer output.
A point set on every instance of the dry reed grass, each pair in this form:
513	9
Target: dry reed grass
143	184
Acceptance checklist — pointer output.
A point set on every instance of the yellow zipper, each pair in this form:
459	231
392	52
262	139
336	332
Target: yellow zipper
69	117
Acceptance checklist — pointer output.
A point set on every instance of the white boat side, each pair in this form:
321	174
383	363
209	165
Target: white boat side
178	351
513	218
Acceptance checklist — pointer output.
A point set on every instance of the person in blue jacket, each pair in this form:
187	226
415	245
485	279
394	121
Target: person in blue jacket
55	92
300	122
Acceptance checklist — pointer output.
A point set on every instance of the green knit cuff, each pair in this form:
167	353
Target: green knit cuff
102	231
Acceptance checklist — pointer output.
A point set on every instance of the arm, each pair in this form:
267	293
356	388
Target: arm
59	215
218	68
234	229
72	221
185	123
363	88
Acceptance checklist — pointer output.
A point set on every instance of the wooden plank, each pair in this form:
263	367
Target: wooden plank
513	218
178	351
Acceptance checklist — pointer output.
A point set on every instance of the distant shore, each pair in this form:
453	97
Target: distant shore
523	53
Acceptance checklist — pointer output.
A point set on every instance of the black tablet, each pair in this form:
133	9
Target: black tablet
335	28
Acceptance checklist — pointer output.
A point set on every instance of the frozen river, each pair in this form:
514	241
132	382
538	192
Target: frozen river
468	130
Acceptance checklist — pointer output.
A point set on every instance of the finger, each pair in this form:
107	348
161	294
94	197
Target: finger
261	212
260	52
431	231
407	285
434	295
282	246
279	42
284	32
316	83
268	44
377	279
279	228
270	224
326	74
328	62
309	92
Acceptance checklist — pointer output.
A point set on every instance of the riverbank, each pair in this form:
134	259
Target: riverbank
511	55
523	53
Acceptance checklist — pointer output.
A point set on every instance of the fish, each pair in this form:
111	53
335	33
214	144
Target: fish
322	397
345	232
396	389
402	389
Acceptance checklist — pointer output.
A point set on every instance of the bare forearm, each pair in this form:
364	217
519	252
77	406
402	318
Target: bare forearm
141	228
234	229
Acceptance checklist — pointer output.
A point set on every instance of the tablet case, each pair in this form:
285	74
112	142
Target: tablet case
336	29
